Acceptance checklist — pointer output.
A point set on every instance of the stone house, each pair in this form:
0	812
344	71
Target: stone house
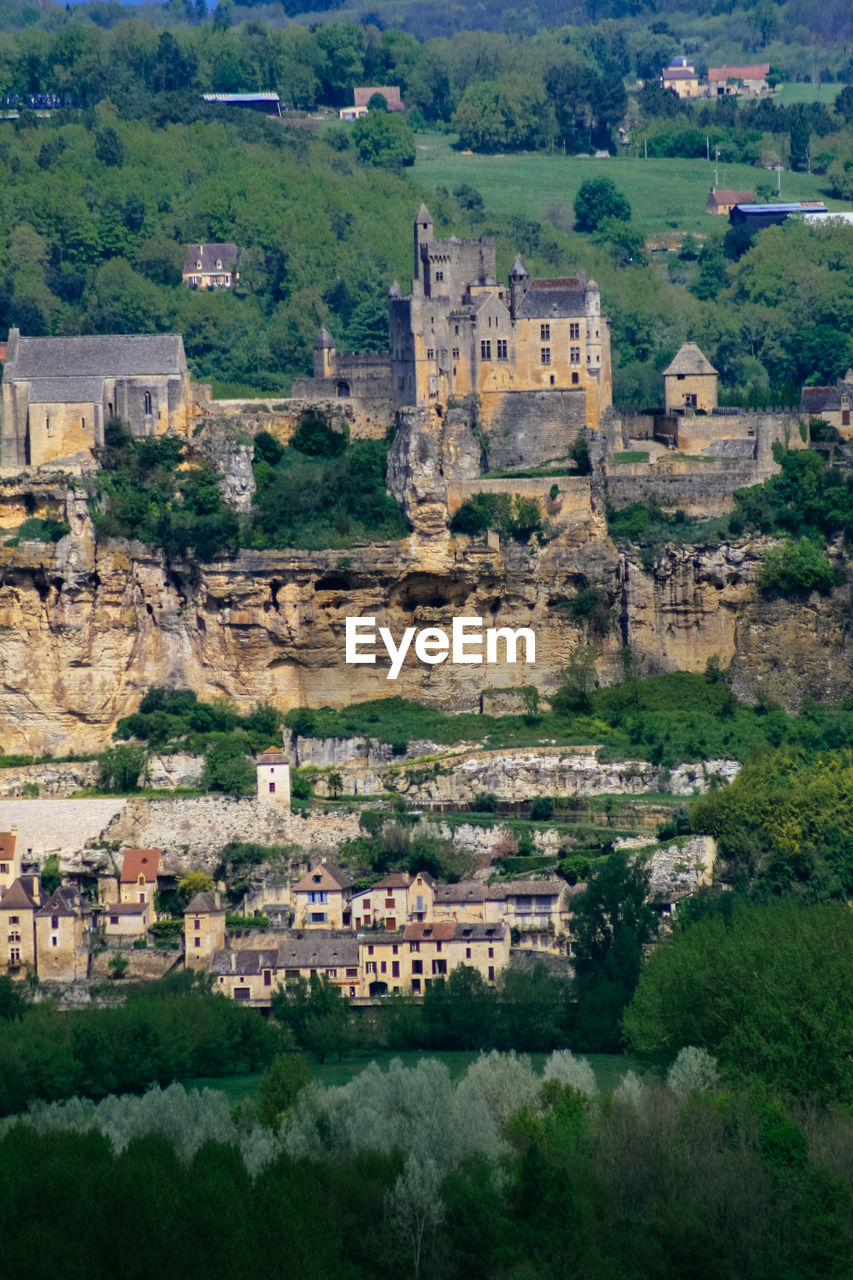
396	899
138	880
211	266
321	899
204	930
251	975
60	952
58	393
690	382
273	777
724	81
463	901
18	909
723	199
435	950
681	77
831	404
10	859
126	919
536	909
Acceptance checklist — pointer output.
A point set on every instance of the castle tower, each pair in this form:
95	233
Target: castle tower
204	930
423	228
324	355
273	775
519	282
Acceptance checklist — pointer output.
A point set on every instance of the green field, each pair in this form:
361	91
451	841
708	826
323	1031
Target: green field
790	93
664	194
609	1069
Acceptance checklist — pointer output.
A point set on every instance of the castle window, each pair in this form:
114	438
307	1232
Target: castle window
343	390
544	333
82	424
575	355
147	401
552	379
485	349
455	353
574	332
502	348
545	354
575	379
690	401
430	353
47	425
439	275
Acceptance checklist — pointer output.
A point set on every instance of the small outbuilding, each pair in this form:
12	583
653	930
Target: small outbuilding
690	382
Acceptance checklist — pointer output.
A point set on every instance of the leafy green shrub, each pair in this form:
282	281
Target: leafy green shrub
592	605
512	517
317	438
301	786
542	809
798	568
228	768
38	530
120	767
247	922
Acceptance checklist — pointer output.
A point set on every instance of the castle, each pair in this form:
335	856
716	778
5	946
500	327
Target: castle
529	346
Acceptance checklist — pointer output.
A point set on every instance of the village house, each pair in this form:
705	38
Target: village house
681	77
535	910
138	880
722	200
60	952
18	908
204	930
832	405
352	113
321	899
10	859
59	393
435	950
251	975
211	266
126	919
690	382
394	900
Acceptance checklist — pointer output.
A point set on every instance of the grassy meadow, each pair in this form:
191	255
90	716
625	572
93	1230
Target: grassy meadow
665	194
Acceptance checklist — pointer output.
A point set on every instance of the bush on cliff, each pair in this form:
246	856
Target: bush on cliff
797	568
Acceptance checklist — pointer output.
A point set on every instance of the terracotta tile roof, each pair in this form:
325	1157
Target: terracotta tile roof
757	72
394	880
138	862
18	895
724	195
390	92
422	931
8	840
325	877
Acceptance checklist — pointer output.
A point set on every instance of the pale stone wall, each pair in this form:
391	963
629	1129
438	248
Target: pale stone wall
529	427
679	386
62	430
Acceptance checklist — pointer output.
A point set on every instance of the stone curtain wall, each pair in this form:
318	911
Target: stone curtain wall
526	428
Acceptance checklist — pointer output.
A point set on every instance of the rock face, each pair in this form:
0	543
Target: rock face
86	627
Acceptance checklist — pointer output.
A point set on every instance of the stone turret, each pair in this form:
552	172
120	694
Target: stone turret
324	355
423	235
519	283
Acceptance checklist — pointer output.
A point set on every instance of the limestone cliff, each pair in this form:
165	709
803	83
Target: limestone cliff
86	627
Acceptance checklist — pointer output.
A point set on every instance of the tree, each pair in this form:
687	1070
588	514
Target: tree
597	199
192	883
12	1003
281	1083
579	680
383	138
797	568
335	783
118	966
121	766
800	137
612	923
228	768
768	990
109	147
51	876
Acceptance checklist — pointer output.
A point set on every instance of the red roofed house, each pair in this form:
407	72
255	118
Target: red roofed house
722	80
138	882
723	200
390	92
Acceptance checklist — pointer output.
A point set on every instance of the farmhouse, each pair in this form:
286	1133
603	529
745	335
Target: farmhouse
211	266
722	200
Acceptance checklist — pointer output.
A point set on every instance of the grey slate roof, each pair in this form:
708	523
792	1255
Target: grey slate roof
202	904
547	299
689	360
478	931
464	891
64	901
66	390
108	355
18	895
317	950
243	963
526	889
209	255
124	908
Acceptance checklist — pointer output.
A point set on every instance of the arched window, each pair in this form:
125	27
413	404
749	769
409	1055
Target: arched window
147	401
343	389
